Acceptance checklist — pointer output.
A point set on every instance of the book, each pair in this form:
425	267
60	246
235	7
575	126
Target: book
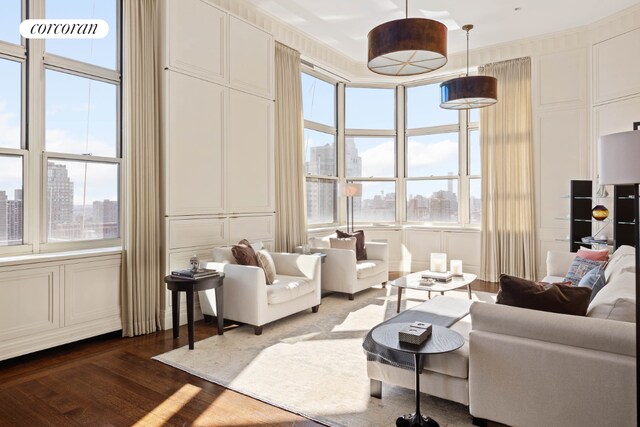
414	335
438	277
190	274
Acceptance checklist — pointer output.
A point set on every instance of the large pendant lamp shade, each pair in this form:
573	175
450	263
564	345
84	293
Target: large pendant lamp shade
464	93
406	47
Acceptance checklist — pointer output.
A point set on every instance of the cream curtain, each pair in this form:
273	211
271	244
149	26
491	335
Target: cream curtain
291	218
142	275
508	225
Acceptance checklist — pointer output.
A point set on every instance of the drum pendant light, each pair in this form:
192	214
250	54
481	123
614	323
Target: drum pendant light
465	93
406	47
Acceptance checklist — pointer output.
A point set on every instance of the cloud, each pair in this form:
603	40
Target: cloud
378	161
435	158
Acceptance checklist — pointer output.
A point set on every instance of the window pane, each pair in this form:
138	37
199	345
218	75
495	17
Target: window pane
370	156
10	19
10	103
433	155
432	200
319	153
423	108
370	108
475	200
100	52
82	200
318	100
474	152
321	201
80	115
474	115
11	200
378	202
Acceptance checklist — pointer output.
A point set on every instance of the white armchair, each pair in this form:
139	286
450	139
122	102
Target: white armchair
247	297
341	272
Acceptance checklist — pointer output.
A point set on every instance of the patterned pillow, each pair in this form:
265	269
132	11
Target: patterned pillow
579	267
361	251
594	279
265	261
343	243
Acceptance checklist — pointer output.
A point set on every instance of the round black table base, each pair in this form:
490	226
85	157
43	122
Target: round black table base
413	420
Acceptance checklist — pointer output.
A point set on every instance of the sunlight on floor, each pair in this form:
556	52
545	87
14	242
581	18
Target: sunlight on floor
171	406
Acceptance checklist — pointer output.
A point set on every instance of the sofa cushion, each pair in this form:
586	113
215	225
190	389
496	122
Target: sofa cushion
266	263
343	243
369	268
621	261
224	255
617	300
320	242
361	250
287	288
594	254
556	298
579	267
244	253
594	279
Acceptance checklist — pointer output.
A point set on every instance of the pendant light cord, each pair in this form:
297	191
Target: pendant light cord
467	53
406	9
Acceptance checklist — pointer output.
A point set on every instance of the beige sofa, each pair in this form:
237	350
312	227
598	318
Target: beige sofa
530	368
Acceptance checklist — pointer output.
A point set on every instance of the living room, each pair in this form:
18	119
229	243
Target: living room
174	130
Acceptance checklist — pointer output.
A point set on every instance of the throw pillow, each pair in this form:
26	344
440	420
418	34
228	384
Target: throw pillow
265	261
244	253
361	250
579	267
343	243
551	297
593	254
594	280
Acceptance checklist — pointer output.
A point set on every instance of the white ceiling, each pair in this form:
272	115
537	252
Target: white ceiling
344	24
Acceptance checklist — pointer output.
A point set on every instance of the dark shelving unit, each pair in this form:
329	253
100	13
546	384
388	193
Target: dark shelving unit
624	221
580	211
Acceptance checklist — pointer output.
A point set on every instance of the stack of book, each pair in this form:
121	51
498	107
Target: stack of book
437	277
191	274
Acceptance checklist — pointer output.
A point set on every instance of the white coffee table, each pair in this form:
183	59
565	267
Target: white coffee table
413	281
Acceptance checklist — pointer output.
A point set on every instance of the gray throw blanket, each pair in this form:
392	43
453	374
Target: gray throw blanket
442	311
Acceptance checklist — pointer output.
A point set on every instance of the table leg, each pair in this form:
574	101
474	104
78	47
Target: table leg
469	289
190	317
175	313
416	419
219	313
399	299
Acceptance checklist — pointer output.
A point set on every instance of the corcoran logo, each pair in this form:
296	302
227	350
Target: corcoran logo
64	28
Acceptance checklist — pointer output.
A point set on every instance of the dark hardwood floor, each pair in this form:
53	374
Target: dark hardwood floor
109	380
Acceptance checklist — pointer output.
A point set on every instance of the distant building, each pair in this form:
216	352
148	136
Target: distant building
3	217
15	218
60	202
105	219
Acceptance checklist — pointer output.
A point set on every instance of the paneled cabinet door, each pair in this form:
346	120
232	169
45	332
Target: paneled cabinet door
194	146
249	154
196	38
250	58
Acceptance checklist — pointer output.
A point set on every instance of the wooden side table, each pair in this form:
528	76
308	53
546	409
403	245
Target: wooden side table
190	286
442	340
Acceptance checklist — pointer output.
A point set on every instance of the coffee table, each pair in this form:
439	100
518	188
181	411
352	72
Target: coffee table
442	340
413	281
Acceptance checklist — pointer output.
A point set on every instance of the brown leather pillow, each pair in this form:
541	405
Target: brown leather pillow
553	297
244	253
361	250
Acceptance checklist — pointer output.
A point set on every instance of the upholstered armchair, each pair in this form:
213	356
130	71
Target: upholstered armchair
247	297
342	272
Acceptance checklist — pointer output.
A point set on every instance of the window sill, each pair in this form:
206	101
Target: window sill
57	256
393	226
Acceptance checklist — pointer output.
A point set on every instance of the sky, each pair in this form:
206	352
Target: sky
80	114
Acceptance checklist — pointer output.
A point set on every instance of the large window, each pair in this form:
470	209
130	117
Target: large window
320	148
60	175
370	151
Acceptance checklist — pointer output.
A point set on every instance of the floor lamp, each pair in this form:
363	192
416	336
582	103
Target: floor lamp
619	164
351	190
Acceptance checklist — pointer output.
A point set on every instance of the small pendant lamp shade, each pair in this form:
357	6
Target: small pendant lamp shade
406	47
465	93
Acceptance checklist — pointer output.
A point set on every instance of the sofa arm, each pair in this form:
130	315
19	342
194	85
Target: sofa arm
297	264
577	331
558	262
377	250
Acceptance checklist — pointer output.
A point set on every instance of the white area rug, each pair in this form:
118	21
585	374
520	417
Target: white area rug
314	365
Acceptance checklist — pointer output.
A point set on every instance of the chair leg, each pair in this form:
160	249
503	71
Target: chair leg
257	330
375	388
351	297
384	285
480	422
315	308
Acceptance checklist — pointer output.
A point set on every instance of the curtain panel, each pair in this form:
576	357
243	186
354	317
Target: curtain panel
141	272
291	217
508	222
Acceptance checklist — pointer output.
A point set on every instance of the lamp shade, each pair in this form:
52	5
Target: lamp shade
619	158
406	47
351	189
464	93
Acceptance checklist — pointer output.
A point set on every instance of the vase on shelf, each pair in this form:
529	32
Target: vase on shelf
600	212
